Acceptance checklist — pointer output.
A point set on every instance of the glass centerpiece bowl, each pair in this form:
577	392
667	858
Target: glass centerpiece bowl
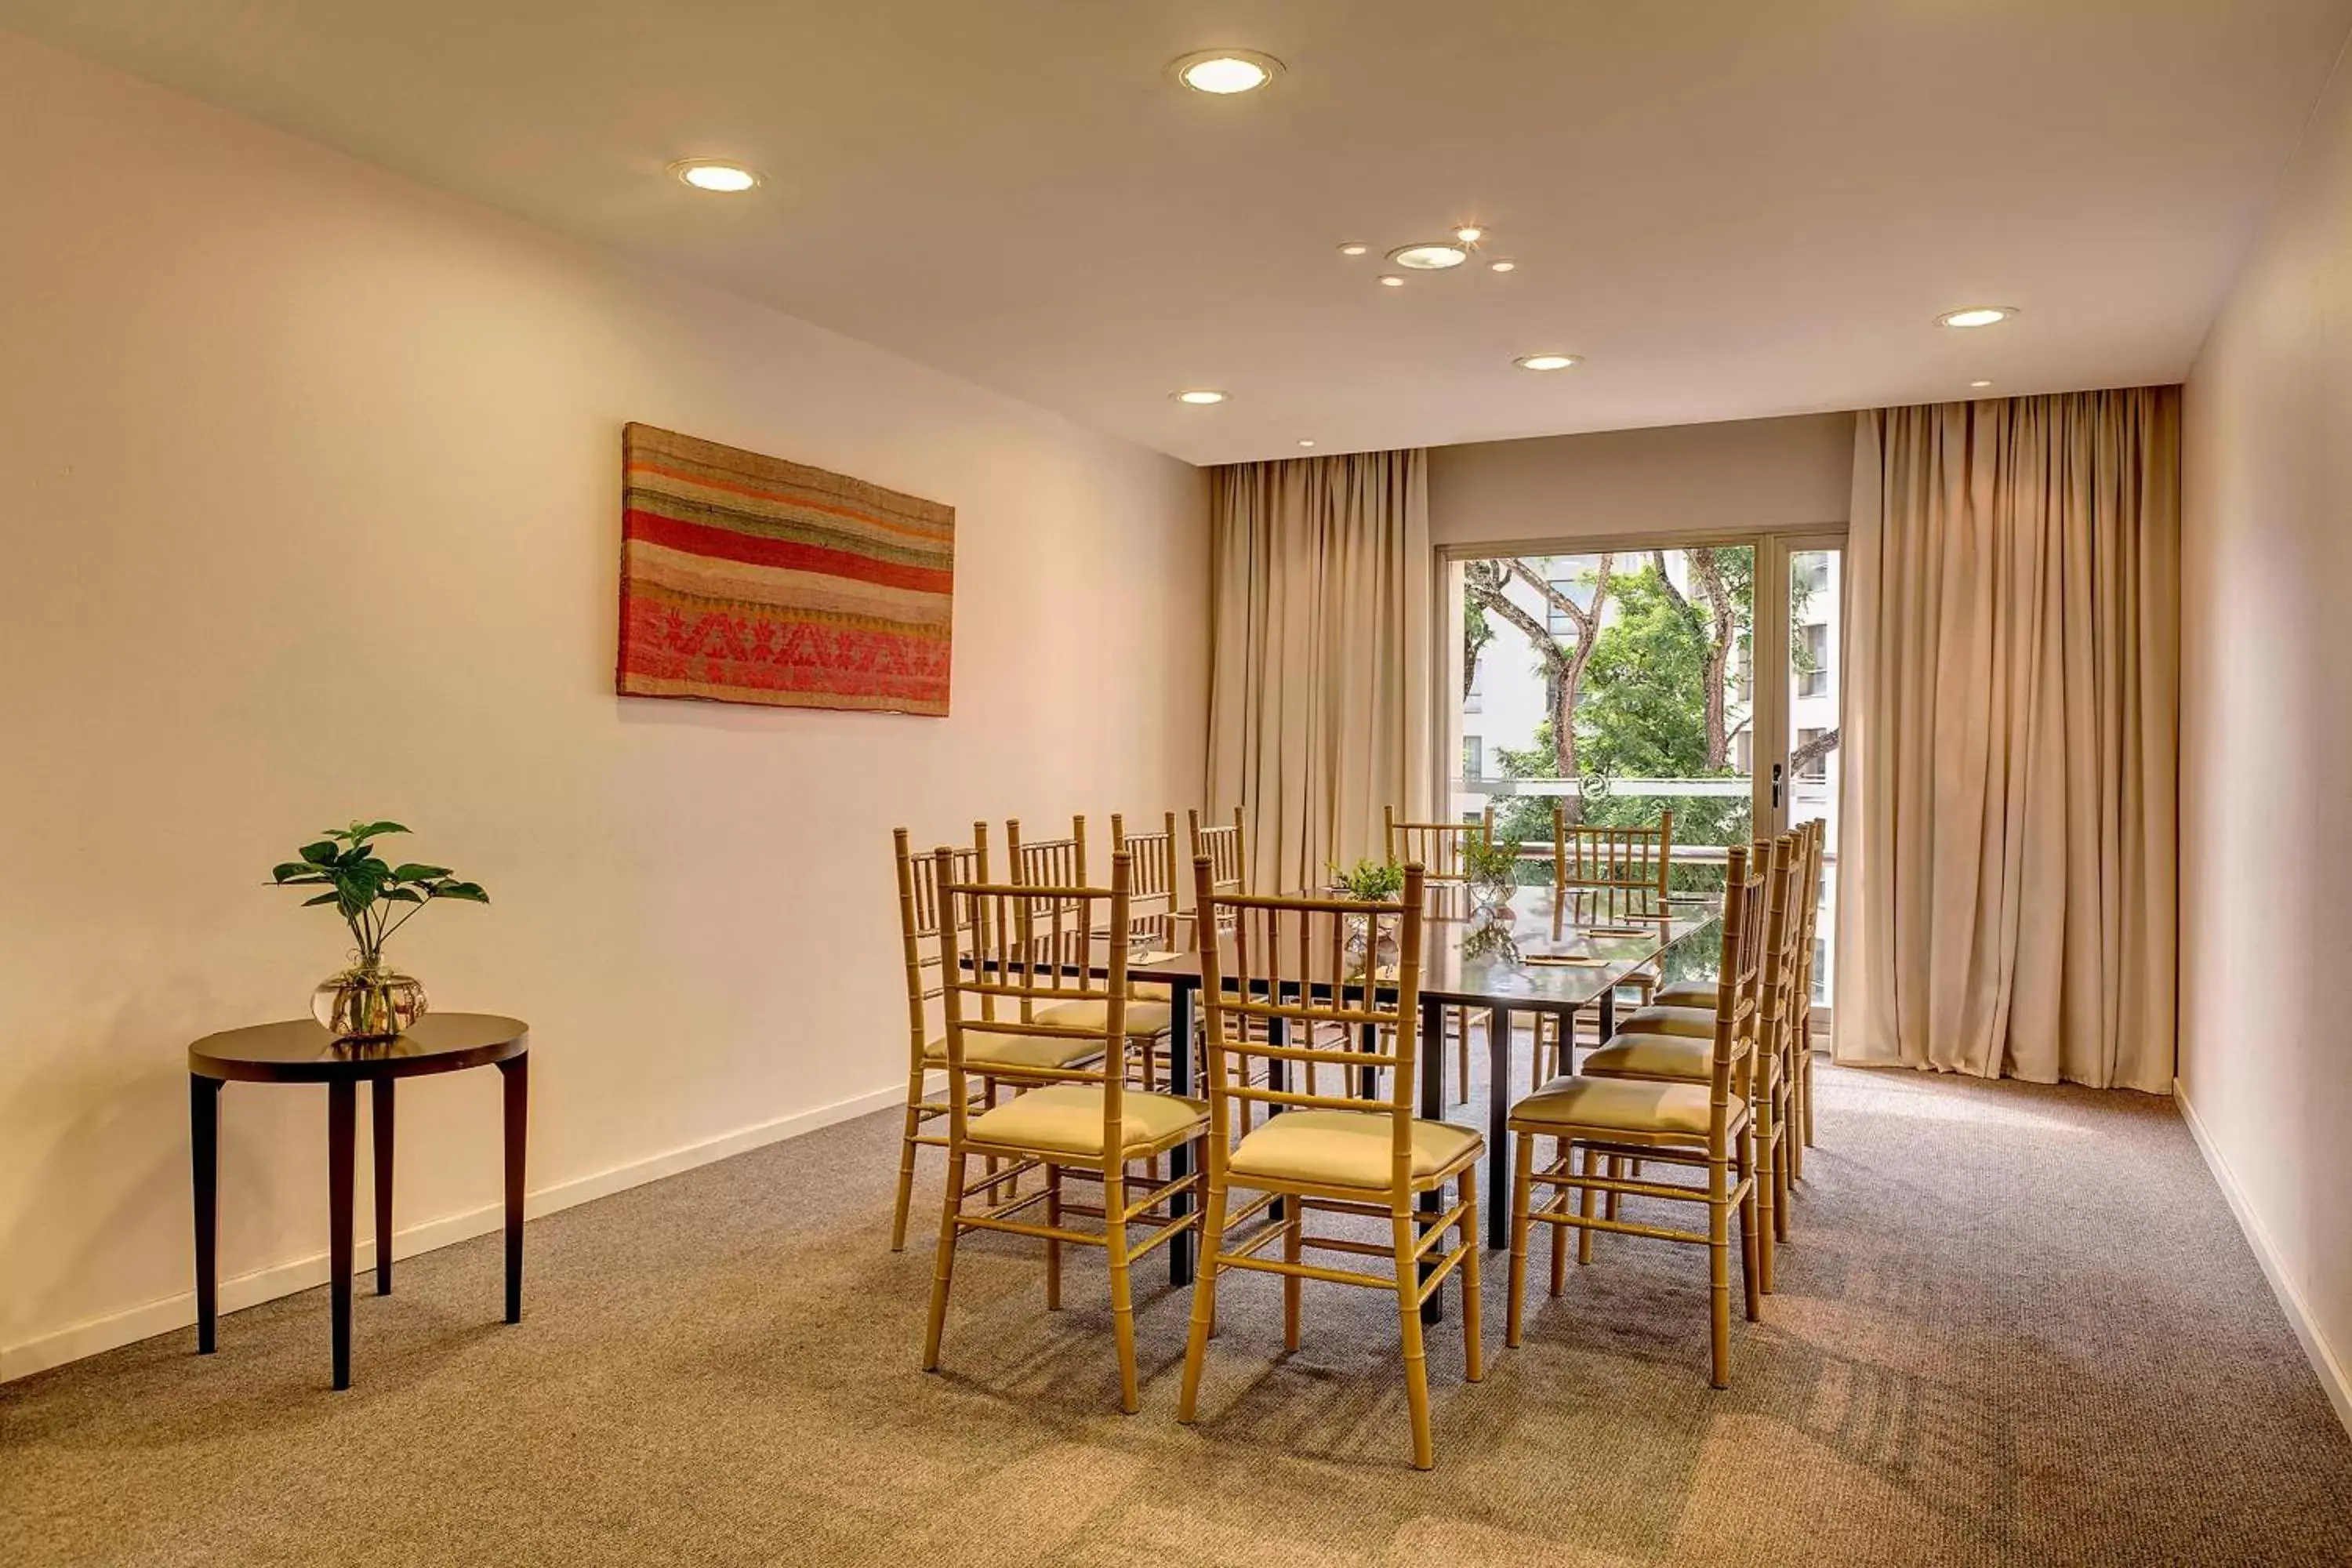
1492	867
369	1000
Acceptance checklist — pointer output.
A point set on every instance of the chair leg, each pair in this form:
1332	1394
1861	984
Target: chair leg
1052	1248
1783	1151
906	1147
1465	1232
1416	1360
1768	1157
1122	1309
1609	1170
1805	1072
1585	1197
1718	1272
1744	1167
1204	1301
1523	1162
943	1267
1294	1242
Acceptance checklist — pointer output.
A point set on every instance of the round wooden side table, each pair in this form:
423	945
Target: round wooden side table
303	1052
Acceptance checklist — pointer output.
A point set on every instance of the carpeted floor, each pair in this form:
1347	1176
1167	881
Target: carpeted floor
2017	1325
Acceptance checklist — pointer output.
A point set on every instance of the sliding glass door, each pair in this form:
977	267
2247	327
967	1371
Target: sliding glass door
1622	683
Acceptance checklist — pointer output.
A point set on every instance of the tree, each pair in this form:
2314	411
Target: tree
1562	660
1648	714
1477	631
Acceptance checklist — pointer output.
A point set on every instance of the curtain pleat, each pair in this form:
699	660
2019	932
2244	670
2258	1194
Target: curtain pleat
1319	685
2008	881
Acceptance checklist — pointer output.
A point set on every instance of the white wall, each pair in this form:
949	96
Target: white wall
1695	481
310	510
2266	741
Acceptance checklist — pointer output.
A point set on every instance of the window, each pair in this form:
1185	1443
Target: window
1808	573
1813	656
1576	586
1817	767
1475	699
1474	758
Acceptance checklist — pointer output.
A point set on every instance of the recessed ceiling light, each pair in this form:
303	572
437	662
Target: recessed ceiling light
1225	71
1430	256
1354	247
1977	316
1980	384
714	175
1506	265
1391	280
1307	443
1200	394
1547	362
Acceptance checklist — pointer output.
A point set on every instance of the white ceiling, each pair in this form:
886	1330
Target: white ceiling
1731	207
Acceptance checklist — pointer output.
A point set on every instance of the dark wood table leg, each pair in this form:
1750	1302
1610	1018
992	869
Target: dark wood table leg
1607	1021
1278	1076
1498	1128
380	1131
1367	1079
1433	1108
342	1115
516	1073
204	1145
1179	1159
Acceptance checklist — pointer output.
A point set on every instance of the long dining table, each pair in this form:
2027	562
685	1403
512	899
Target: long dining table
1555	954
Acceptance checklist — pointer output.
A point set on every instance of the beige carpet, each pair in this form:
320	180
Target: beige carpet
2017	1325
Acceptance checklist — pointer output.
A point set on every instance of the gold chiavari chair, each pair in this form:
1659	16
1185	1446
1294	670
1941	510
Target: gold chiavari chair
1437	848
1702	1125
1801	1077
1036	945
1062	862
1600	874
921	910
1224	845
1282	969
1665	1045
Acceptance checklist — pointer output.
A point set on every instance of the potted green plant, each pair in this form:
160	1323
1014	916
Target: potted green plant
1369	882
375	899
1493	868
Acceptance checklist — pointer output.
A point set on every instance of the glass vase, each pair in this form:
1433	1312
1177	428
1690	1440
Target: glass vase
368	1001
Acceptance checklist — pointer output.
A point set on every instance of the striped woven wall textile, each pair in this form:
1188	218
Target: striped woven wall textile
748	579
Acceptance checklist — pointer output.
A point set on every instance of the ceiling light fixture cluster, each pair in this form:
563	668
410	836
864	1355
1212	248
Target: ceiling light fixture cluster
1431	255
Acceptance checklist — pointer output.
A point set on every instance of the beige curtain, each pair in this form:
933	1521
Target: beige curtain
2007	857
1318	695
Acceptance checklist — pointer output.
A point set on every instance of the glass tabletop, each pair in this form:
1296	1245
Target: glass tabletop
1535	951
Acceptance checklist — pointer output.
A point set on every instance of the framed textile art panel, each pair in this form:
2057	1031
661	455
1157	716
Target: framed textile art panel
750	578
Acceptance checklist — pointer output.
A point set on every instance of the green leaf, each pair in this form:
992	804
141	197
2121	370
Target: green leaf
471	892
319	854
375	829
322	899
414	872
284	870
402	896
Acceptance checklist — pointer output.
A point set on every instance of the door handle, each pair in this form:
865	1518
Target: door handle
1776	786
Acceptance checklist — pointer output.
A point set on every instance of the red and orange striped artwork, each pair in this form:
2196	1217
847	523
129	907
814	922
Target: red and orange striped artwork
750	578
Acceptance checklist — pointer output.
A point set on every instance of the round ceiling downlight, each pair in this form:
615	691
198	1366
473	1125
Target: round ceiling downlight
1391	280
1225	72
1430	256
1977	316
716	175
1504	265
1549	361
1199	396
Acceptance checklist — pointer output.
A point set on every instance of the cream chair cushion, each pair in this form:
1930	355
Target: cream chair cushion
1068	1119
984	1049
1144	1019
1614	1105
1653	1055
1686	993
1345	1148
1659	1020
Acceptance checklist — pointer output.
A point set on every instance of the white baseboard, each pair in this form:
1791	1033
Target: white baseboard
2306	1330
305	1273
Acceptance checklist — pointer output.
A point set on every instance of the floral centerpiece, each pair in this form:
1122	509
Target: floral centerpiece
375	899
1492	869
1369	882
